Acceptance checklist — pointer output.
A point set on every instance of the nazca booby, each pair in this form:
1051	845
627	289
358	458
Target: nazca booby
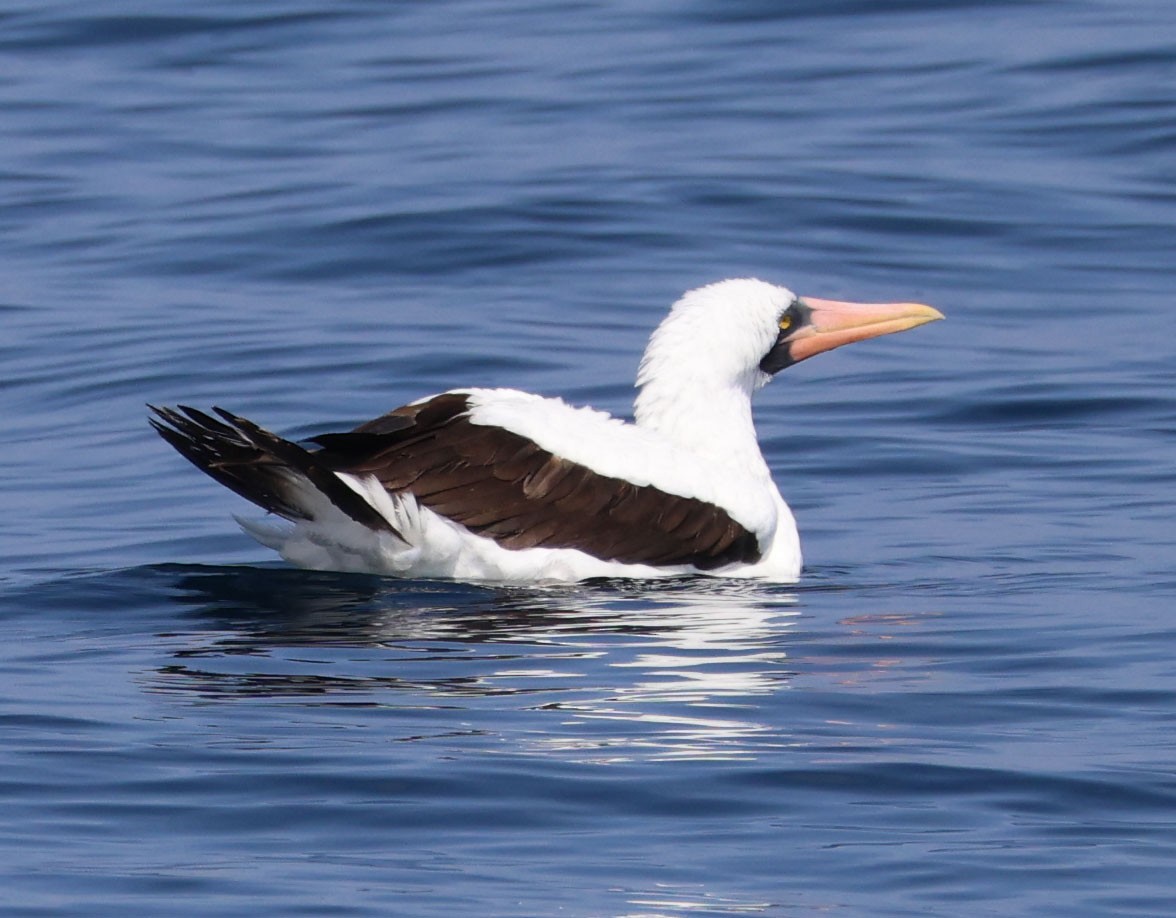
501	485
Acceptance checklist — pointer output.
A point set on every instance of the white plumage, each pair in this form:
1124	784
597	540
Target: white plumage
692	437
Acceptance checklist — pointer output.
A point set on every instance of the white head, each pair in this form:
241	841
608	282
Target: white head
737	334
721	343
717	336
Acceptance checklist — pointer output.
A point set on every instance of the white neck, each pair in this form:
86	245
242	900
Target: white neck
702	366
713	422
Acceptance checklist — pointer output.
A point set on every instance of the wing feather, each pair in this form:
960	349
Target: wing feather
502	485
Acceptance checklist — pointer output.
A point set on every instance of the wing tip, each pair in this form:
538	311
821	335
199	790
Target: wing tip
255	463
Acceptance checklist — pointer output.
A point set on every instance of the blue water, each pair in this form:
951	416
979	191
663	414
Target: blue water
311	213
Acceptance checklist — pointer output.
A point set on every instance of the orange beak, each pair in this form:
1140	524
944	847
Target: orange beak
831	324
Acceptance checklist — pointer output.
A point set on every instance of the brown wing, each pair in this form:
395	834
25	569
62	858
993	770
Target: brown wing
502	485
257	464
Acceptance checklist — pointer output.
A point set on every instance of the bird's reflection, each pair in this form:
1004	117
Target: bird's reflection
671	664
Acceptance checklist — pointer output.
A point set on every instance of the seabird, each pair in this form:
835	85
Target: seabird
501	485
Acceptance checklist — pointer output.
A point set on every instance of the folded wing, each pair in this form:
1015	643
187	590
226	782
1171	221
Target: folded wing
502	485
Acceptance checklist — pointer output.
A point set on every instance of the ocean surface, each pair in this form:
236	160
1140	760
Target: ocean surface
313	212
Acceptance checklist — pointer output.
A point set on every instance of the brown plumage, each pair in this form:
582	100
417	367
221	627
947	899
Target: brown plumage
492	481
257	464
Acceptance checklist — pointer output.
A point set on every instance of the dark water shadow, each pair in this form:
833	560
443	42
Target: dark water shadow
240	632
296	606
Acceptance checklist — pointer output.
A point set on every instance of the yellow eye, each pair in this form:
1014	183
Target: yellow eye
785	322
